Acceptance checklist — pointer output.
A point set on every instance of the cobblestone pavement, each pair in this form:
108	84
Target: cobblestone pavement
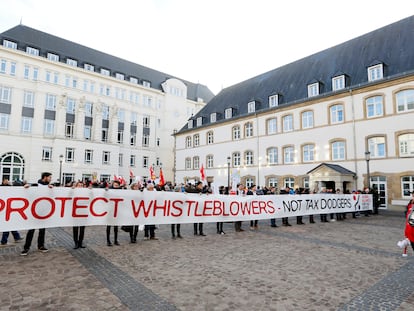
353	264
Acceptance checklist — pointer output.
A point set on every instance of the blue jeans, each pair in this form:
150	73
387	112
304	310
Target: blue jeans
5	236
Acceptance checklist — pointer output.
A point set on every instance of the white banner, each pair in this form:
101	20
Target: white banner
42	207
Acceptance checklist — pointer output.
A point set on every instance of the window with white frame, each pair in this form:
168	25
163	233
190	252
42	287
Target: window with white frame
308	153
69	129
251	107
249	181
70	105
3	66
236	159
407	186
376	146
338	150
287	123
105	112
196	162
375	72
188	142
210	161
50	102
13	68
337	113
5	94
26	125
228	113
10	44
145	140
307	119
120	137
406	145
248	129
289	182
190	124
48	76
106	157
4	121
87	132
104	135
133	139
145	161
32	51
288	155
120	159
134	118
132	160
49	127
405	100
71	62
338	83
374	106
248	158
119	76
105	72
271	126
146	83
213	117
88	109
146	122
133	80
26	72
35	74
28	99
210	138
273	101
306	182
272	155
272	182
53	57
88	156
313	89
196	140
69	155
188	164
47	154
199	121
236	132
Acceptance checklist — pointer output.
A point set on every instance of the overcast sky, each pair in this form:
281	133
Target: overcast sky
214	42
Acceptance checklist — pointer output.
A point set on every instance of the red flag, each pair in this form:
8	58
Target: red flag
116	178
152	173
202	172
162	180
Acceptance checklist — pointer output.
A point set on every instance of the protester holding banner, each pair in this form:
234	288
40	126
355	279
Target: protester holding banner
78	231
44	181
149	230
133	230
240	191
198	227
178	226
285	220
116	184
253	223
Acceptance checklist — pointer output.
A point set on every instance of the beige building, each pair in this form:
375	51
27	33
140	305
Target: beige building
84	114
338	119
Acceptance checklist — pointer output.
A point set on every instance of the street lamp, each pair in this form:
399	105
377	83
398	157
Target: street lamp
228	173
60	169
367	158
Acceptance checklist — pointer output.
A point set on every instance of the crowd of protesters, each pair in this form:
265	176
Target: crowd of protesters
149	230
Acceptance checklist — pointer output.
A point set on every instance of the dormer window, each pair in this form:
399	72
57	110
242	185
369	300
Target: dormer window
228	113
251	107
146	83
71	62
375	72
10	44
338	83
32	51
89	67
213	117
199	121
313	89
133	80
119	76
273	100
190	124
105	72
53	57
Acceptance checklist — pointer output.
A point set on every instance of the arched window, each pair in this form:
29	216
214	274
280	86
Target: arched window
248	129
12	166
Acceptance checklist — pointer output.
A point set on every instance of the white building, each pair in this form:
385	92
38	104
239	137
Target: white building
312	123
84	114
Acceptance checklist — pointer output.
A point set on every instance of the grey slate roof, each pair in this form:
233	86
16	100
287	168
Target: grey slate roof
340	169
392	45
46	43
